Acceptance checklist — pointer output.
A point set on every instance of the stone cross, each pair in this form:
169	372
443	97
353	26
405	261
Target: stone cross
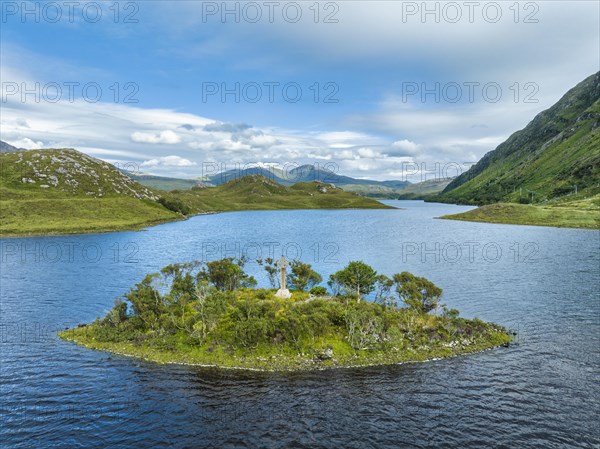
282	264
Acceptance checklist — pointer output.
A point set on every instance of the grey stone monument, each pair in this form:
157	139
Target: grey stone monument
283	292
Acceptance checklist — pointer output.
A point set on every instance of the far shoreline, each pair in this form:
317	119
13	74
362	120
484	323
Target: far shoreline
143	226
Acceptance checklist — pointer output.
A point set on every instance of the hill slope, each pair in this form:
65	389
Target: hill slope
558	150
6	147
62	191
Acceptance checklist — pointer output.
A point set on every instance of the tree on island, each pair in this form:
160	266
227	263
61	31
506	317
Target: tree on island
357	279
227	274
270	266
418	293
302	276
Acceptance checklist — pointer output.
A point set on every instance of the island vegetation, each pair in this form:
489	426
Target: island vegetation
213	314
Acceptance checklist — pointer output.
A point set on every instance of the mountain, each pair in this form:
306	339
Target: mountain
6	147
424	189
303	173
555	155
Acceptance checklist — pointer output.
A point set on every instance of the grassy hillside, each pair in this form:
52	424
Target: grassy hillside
422	190
64	191
259	193
372	190
558	150
407	191
553	164
583	213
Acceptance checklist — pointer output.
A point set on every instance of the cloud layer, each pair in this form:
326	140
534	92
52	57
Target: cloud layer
414	87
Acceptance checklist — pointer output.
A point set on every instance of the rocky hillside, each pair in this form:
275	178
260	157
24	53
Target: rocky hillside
63	191
67	171
555	155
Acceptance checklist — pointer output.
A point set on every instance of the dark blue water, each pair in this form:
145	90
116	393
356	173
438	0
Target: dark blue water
542	393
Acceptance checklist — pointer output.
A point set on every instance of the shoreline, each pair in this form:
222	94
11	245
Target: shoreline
298	365
529	215
142	227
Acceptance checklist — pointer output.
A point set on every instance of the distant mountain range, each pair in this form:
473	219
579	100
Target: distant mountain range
557	154
303	173
7	148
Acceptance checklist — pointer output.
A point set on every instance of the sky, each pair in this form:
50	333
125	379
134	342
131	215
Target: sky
371	89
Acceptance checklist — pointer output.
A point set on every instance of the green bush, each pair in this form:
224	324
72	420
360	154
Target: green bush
318	291
175	205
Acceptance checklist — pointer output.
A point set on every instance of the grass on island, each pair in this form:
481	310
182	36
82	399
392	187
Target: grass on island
584	213
210	314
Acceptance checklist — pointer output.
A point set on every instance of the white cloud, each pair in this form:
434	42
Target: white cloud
27	143
404	147
168	161
166	137
368	153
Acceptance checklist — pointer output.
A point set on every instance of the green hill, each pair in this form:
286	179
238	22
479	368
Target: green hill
63	191
404	191
259	193
557	151
304	173
424	189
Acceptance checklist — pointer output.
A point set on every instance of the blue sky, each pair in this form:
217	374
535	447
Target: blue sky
370	58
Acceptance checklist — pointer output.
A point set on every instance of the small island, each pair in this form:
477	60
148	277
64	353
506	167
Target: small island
212	314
